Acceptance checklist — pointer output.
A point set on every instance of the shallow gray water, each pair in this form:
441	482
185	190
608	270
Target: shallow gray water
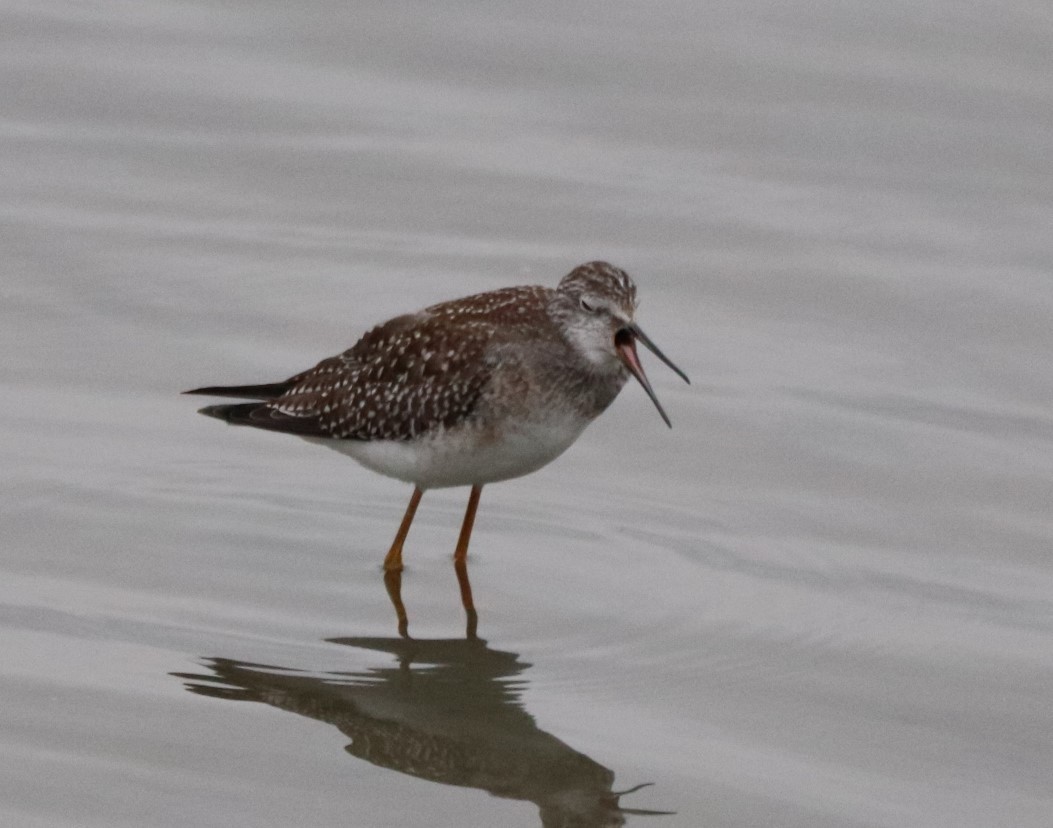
822	599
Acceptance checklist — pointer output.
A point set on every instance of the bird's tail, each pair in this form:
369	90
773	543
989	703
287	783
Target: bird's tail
233	413
269	391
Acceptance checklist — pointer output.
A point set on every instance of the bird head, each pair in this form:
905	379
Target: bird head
597	309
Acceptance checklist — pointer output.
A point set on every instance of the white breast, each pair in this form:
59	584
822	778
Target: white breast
465	456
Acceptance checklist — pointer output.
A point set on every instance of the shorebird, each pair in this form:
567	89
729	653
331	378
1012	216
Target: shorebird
467	392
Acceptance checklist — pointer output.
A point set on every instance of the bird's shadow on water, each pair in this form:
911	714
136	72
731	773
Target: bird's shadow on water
446	710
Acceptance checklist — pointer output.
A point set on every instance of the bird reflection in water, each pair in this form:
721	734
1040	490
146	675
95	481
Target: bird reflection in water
448	711
393	584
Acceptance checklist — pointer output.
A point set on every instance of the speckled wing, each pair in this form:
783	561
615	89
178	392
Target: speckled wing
409	376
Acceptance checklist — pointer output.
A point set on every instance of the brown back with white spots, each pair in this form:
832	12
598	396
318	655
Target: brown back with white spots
409	375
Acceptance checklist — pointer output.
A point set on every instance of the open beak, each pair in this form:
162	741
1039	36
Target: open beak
625	345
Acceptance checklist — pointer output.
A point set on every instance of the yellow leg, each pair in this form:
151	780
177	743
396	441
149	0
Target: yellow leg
461	567
461	552
393	582
393	561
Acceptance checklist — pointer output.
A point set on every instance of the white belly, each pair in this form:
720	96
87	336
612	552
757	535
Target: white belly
464	457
